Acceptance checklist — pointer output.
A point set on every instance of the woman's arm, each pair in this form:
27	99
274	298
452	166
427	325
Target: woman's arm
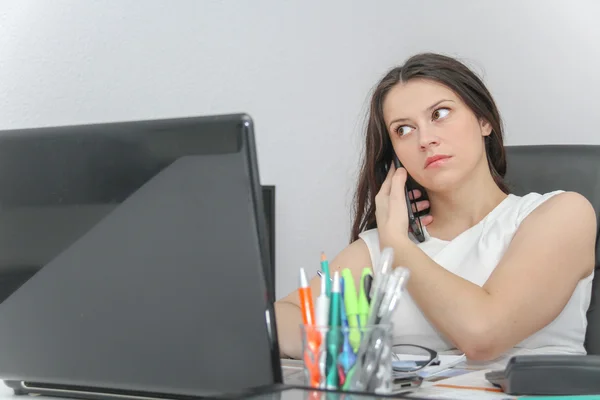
287	310
552	250
355	257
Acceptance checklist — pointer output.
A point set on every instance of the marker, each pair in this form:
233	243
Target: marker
351	304
306	302
325	268
313	337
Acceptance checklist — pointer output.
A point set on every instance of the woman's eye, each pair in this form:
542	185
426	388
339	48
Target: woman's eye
440	113
403	130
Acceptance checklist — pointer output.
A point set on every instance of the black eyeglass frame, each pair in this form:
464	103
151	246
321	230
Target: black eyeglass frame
433	359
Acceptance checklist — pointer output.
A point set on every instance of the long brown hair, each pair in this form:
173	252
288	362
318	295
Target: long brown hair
378	150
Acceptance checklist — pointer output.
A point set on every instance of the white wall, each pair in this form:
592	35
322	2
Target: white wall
303	71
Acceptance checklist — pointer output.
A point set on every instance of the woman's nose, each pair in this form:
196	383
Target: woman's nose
427	137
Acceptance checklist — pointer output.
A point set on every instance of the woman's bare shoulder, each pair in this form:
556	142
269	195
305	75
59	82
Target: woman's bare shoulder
355	257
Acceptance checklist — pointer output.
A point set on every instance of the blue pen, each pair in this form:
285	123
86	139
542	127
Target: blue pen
347	356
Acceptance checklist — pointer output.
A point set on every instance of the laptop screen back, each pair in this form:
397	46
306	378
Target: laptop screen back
152	246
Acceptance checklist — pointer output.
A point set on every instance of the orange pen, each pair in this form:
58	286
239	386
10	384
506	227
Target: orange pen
313	338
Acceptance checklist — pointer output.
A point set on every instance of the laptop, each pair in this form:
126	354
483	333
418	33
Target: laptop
151	244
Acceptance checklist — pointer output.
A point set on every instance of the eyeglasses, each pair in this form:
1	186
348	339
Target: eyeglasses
409	358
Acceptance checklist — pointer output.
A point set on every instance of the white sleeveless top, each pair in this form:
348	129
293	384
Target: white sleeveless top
473	255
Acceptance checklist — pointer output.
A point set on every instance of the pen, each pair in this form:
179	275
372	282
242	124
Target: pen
347	356
385	264
367	286
322	317
325	268
313	337
333	336
392	292
321	275
363	301
389	287
351	304
322	307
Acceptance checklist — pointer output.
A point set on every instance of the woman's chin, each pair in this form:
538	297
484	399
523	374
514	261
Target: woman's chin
442	183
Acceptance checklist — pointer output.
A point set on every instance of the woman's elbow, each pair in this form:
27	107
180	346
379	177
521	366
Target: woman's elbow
480	343
288	319
481	352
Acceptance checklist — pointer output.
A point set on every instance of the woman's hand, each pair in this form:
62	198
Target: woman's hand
390	208
420	205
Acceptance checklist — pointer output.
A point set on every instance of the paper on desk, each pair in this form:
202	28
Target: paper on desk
472	380
405	359
470	385
434	392
446	362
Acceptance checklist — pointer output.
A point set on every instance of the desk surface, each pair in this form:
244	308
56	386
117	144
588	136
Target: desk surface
471	385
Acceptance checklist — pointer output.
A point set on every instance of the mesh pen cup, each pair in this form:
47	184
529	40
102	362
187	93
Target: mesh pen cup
348	358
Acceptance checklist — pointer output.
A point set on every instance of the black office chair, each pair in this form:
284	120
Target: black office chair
544	168
268	193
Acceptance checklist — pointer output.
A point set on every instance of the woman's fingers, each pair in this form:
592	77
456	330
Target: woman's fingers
426	220
387	183
381	198
414	194
420	205
397	200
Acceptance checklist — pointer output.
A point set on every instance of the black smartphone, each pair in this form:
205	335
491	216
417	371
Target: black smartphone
414	222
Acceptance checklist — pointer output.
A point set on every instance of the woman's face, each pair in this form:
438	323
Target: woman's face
435	135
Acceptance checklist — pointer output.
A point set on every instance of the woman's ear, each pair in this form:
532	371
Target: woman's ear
486	128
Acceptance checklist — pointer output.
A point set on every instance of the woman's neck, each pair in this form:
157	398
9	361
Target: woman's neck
455	211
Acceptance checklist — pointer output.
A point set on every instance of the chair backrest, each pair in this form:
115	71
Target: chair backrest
543	168
268	193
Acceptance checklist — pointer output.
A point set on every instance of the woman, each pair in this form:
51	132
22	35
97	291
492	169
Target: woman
496	275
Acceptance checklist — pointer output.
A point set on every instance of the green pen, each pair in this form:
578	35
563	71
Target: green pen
351	304
334	336
363	300
325	268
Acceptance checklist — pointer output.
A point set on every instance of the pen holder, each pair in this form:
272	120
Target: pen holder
349	359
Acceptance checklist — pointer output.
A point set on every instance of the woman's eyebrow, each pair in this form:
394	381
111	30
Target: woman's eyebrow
431	107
